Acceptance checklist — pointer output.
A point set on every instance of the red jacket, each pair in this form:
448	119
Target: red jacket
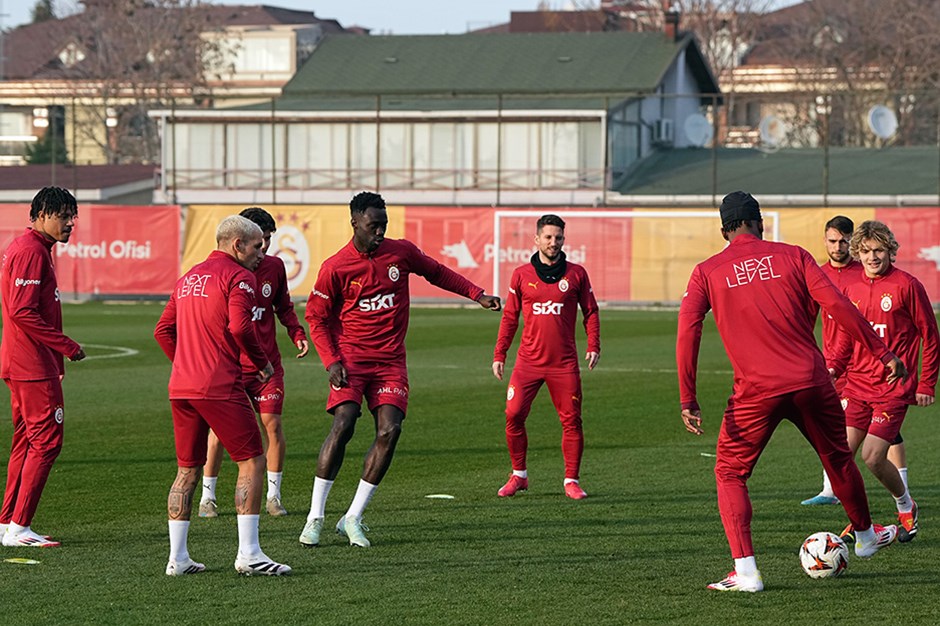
897	306
358	309
33	343
764	296
204	327
840	276
549	313
272	298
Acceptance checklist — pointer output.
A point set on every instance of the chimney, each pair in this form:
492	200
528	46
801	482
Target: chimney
671	20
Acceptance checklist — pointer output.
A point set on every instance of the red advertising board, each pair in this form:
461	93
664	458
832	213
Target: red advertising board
471	241
114	250
918	232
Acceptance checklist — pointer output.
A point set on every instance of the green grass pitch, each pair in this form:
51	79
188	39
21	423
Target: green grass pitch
640	549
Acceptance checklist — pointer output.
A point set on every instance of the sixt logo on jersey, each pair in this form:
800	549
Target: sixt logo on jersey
547	308
377	303
257	312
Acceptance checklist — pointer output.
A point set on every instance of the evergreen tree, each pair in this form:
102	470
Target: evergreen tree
43	11
42	151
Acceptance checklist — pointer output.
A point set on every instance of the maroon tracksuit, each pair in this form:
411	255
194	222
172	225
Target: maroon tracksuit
205	326
32	366
358	315
765	296
547	354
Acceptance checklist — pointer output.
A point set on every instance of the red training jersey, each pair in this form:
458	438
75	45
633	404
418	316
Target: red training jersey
272	298
764	296
840	276
33	343
204	327
897	307
549	313
358	309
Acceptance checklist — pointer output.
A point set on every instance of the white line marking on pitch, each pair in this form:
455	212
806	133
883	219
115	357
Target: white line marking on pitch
119	351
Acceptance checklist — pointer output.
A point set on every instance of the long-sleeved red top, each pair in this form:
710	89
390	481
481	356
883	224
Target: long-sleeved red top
205	325
33	343
273	298
840	276
549	313
358	309
898	309
764	296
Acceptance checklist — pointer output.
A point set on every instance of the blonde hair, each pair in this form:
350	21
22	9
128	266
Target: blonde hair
875	231
236	227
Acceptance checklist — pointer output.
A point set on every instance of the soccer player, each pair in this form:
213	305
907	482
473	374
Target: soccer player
842	269
764	296
205	326
897	306
548	290
267	398
31	361
358	315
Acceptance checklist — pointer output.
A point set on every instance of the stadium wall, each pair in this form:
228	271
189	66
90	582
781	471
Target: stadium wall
638	256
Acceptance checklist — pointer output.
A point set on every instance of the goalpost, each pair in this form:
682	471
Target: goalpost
773	217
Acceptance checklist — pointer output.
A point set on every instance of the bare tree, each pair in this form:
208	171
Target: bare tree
139	55
852	54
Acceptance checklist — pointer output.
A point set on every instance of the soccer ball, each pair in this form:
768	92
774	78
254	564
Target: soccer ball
824	555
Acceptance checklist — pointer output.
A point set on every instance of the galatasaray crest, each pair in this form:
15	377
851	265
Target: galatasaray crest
886	302
266	289
393	273
563	285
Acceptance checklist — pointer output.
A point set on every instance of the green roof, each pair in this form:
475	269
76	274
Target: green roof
530	63
852	171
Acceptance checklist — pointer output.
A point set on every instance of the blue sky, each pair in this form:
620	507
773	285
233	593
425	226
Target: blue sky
398	17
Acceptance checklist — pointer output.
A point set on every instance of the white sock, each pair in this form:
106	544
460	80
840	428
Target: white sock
827	486
746	566
571	480
15	529
208	487
520	473
179	532
321	489
903	472
248	535
865	536
363	494
904	503
274	484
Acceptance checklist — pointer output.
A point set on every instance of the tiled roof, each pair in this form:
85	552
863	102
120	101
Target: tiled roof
35	177
852	171
32	50
534	63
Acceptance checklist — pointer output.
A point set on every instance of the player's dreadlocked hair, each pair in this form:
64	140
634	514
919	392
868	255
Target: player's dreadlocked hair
260	217
53	201
363	200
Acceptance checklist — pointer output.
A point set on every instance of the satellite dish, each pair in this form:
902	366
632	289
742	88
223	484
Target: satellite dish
773	130
882	121
698	130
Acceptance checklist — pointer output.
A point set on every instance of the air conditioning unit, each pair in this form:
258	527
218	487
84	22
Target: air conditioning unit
662	132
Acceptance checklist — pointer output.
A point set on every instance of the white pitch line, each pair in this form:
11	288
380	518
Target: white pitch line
120	351
649	370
